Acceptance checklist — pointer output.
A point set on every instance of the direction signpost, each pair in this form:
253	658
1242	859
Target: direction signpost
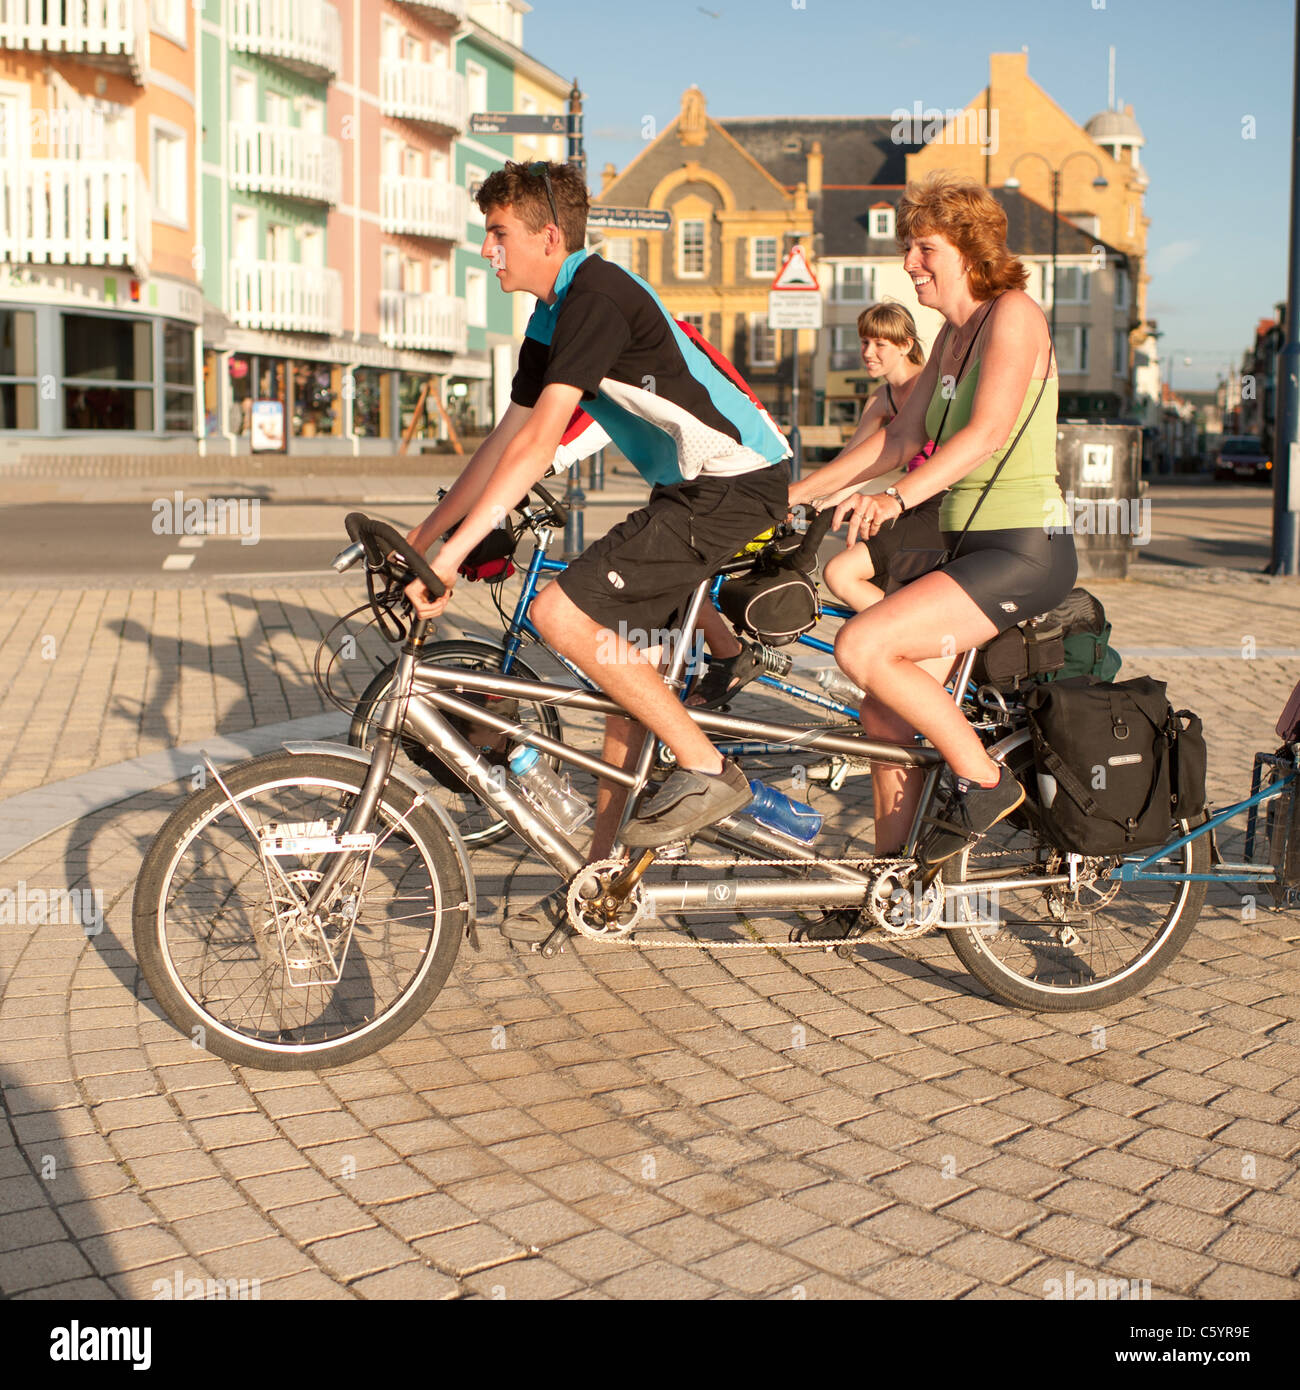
795	302
630	219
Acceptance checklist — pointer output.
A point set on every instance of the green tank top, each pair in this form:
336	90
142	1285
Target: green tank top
1026	493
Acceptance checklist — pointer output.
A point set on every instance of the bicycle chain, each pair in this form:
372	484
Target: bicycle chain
821	944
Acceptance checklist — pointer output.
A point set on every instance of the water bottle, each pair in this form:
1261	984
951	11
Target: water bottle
553	796
838	686
778	812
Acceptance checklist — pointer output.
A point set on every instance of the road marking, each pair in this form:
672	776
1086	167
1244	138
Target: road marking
178	562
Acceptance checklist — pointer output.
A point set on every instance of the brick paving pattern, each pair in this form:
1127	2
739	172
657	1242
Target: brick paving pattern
617	1123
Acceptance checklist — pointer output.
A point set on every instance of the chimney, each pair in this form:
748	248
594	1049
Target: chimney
607	176
815	162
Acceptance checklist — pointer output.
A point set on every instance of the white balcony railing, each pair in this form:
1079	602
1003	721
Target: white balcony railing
285	160
304	35
113	34
434	322
75	212
414	91
440	11
293	298
423	207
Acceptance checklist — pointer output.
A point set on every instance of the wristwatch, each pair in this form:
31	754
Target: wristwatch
894	493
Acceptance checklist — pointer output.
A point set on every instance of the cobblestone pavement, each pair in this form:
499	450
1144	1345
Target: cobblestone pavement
623	1124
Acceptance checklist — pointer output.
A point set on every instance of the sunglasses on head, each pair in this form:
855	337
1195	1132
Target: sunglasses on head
538	169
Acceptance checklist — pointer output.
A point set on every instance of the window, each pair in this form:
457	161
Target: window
762	256
1121	287
178	377
476	298
243	98
853	283
168	17
846	348
696	321
314	394
620	250
107	373
1073	284
1072	351
277	109
881	226
169	182
277	243
372	403
474	176
690	247
476	87
392	269
17	370
1121	352
762	342
1087	222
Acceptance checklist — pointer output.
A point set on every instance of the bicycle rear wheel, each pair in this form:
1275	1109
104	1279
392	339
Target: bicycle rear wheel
1055	949
477	824
225	947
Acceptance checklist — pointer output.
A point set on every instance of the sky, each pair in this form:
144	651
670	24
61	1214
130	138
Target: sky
1210	82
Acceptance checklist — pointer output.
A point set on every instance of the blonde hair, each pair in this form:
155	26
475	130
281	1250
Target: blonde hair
968	215
894	324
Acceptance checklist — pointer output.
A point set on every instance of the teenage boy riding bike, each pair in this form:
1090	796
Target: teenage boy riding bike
601	336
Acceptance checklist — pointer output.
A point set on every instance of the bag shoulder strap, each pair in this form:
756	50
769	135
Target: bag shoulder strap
1003	460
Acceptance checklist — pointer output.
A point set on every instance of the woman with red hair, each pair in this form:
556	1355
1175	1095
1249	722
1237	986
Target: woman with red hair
988	398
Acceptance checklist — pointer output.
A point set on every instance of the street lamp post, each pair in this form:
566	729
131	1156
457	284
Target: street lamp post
1056	171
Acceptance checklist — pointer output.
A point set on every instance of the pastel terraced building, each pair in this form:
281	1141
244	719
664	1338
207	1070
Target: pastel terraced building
232	224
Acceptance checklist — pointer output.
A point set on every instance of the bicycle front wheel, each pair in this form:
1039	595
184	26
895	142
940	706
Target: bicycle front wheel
477	824
228	950
1056	948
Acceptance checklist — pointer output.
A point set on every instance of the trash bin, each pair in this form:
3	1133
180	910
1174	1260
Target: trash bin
1099	468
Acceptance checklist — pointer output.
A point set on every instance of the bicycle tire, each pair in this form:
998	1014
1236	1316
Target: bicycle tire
205	923
1025	963
476	824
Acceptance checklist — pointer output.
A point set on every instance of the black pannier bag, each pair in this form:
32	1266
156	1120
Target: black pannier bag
1116	766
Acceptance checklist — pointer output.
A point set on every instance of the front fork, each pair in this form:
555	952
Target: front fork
382	757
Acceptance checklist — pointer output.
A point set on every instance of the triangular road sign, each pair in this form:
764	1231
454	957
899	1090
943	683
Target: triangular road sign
795	274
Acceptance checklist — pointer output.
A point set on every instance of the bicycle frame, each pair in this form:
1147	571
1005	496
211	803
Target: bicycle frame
424	695
521	626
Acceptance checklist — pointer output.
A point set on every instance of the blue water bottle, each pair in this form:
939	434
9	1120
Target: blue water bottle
776	811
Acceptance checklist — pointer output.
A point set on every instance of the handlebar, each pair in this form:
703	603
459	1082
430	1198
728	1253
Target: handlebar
379	540
559	512
805	558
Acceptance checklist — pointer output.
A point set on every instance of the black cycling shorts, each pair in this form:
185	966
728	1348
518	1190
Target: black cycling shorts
916	529
1014	574
640	574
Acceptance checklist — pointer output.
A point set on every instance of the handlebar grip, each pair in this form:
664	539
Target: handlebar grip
380	540
558	509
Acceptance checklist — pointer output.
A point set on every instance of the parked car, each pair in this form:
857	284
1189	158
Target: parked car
1241	457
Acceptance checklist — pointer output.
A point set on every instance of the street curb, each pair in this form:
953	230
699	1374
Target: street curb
31	815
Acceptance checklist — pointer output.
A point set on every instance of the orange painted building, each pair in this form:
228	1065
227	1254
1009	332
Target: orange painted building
99	295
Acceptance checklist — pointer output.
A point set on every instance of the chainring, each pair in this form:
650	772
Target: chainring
898	910
593	913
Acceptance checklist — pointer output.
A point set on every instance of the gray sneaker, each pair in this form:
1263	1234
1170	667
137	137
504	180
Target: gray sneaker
687	803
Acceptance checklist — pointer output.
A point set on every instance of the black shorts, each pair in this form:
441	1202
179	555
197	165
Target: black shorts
641	573
916	529
1015	574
